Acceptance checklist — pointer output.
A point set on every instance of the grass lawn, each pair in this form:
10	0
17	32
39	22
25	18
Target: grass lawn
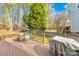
6	33
51	30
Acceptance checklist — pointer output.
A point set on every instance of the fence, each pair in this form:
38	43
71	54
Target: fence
43	37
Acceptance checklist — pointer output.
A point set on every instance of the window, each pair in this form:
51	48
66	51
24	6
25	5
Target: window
77	6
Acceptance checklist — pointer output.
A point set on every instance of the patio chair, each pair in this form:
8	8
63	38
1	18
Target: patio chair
22	37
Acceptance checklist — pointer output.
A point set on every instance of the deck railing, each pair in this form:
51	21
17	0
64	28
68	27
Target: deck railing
43	37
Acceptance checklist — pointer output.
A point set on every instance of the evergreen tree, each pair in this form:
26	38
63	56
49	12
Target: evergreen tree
37	16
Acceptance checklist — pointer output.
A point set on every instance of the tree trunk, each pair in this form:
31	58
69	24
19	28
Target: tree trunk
10	21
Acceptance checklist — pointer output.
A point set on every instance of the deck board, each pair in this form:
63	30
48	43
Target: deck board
9	47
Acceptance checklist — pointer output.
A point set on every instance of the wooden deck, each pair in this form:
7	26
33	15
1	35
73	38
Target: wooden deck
9	47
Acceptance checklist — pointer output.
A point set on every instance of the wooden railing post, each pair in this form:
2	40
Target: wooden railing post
43	37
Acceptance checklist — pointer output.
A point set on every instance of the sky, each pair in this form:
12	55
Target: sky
59	7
